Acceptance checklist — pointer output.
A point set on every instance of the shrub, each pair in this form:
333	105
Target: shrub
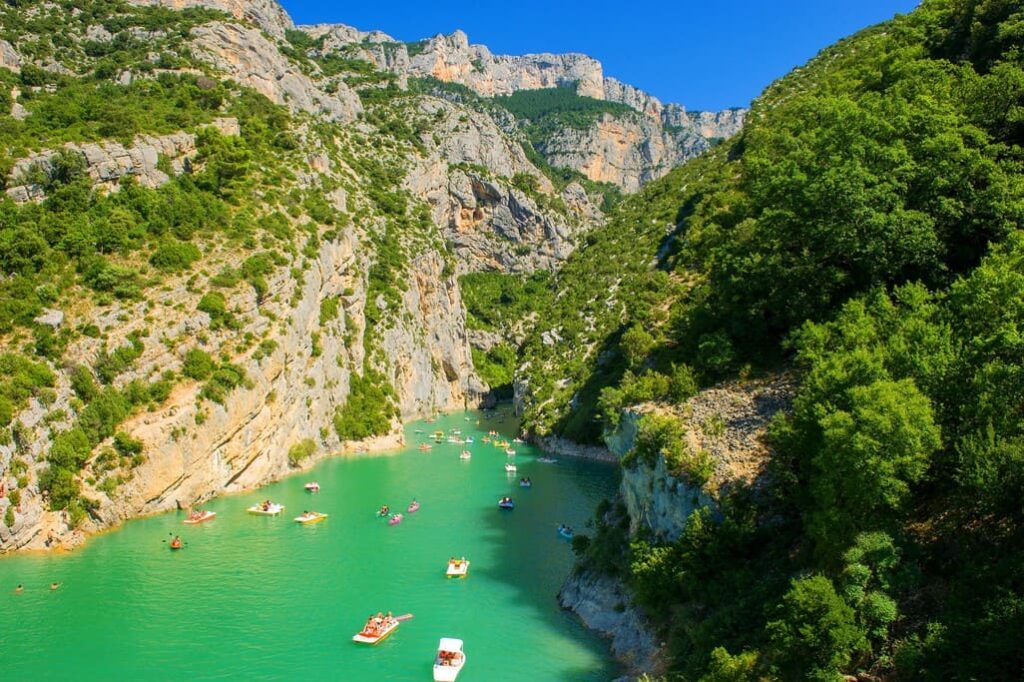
174	256
198	364
301	451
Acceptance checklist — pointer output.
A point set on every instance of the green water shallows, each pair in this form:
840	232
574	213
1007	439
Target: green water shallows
265	598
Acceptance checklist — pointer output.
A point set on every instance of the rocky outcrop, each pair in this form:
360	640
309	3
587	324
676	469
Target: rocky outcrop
268	15
605	607
627	151
727	422
468	180
246	56
9	59
107	162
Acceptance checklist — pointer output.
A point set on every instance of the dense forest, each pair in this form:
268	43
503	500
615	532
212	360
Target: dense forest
864	233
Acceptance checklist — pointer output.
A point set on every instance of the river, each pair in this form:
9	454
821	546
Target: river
260	598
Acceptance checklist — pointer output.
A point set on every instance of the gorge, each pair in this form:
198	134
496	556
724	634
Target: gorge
232	247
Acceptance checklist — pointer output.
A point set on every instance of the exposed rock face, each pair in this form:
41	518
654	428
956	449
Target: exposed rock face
8	57
624	150
729	422
244	442
268	15
245	55
492	225
107	162
603	605
627	151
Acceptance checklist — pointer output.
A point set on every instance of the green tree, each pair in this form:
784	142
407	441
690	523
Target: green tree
870	455
814	633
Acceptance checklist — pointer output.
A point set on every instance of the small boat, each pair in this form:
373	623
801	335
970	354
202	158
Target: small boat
486	439
312	487
424	447
506	503
310	517
510	452
455	440
384	511
395	520
438	436
457	568
456	432
200	516
547	460
492	433
466	454
510	467
501	443
271	509
518	441
449	660
376	630
468	441
525	483
414	506
565	532
175	543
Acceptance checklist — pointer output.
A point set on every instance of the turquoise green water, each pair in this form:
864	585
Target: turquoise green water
265	598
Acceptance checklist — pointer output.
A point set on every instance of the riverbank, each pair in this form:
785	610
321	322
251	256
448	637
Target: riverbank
289	597
53	533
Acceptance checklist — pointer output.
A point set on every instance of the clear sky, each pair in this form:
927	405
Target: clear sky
704	54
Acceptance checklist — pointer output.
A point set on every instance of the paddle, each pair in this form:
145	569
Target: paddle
406	616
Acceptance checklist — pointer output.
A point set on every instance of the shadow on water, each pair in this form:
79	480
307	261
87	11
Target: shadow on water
527	553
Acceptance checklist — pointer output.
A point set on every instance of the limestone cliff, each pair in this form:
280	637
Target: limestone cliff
443	188
267	15
729	422
626	150
247	56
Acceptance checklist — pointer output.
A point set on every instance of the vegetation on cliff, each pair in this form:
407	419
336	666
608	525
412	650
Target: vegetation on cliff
866	229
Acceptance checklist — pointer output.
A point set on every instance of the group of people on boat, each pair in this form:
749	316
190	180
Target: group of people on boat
456	563
378	624
448	657
385	510
265	505
525	482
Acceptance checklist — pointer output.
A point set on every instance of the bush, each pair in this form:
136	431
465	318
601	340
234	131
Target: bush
369	408
300	451
215	305
198	364
174	256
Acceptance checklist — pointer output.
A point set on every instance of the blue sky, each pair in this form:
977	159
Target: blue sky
703	54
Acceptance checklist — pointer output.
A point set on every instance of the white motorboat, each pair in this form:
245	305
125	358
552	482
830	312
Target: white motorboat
510	468
449	660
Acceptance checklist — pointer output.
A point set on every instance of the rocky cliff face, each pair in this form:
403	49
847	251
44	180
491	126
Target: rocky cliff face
625	150
245	55
468	178
107	163
267	15
487	207
727	421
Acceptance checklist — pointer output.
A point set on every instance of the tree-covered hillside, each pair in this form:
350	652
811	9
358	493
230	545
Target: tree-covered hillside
864	231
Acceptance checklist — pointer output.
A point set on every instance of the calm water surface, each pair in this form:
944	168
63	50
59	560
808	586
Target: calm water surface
265	598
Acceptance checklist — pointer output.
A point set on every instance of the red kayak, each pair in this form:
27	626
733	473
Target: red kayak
176	543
